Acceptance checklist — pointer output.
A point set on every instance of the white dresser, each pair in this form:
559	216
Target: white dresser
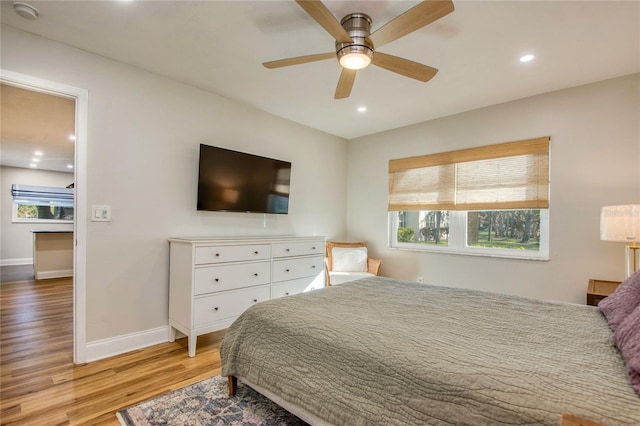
213	280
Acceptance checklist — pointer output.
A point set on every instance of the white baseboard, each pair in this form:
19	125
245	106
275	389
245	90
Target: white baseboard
106	348
20	261
43	275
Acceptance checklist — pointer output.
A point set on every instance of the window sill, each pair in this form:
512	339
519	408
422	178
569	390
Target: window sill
502	255
42	221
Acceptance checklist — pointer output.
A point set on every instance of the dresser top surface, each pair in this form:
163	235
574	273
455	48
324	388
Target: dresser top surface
243	239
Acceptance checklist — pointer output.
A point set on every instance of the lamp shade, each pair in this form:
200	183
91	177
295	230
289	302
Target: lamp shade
620	223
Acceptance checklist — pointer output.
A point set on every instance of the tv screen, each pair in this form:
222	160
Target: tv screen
234	181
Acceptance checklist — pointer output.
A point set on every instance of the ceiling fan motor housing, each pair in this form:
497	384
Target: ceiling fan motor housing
358	26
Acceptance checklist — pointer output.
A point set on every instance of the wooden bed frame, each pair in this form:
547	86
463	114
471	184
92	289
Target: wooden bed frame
233	385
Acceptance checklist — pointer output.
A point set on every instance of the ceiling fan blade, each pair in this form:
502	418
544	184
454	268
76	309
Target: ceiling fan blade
347	77
410	21
404	66
299	60
325	18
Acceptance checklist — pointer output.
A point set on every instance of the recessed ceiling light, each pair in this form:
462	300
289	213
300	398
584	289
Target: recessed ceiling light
33	165
362	109
69	166
38	153
527	58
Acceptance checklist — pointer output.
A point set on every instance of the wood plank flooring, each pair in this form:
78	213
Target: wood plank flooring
40	385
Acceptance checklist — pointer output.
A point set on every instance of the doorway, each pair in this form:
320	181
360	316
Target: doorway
80	96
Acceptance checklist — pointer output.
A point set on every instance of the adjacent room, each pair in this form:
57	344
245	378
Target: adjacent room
331	212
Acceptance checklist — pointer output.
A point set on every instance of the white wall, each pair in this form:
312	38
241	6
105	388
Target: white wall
16	238
144	133
595	161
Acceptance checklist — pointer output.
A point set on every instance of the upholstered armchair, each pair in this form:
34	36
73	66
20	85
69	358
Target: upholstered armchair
349	262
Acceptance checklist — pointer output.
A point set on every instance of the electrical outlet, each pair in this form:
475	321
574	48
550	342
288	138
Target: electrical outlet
419	279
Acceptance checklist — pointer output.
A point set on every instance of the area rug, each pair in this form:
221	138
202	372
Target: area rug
208	403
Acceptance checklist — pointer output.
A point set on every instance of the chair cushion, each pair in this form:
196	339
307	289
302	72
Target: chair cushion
343	277
349	259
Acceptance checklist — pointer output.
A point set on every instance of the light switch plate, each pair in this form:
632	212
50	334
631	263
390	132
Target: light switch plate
100	213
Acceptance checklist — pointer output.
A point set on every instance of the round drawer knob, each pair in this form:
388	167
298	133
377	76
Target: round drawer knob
286	294
313	266
287	250
255	252
255	300
217	254
215	309
286	270
216	279
255	275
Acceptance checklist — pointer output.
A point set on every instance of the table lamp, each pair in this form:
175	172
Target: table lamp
622	224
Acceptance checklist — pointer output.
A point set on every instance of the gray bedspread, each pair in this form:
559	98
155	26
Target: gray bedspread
388	352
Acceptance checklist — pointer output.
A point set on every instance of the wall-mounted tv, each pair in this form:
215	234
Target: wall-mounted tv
235	181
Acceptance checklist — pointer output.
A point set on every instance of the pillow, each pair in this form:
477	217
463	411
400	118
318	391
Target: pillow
627	340
622	302
351	259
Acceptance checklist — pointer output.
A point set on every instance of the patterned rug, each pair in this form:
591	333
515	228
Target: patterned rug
208	403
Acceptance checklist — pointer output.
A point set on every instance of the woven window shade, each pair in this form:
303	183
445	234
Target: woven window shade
512	175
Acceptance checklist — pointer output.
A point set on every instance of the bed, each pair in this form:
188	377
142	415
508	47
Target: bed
389	352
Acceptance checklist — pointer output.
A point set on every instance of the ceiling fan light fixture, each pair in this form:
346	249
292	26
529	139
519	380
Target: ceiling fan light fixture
357	54
355	57
356	45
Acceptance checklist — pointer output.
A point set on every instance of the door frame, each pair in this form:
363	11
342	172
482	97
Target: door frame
81	97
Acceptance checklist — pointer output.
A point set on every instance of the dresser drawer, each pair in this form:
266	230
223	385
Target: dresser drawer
233	276
227	305
221	254
299	248
291	269
288	288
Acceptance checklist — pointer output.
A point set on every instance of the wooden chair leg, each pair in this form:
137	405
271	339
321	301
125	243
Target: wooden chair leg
233	385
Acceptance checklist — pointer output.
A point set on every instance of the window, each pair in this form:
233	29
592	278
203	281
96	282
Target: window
42	204
501	233
490	201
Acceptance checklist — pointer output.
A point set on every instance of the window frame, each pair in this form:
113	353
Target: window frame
483	178
457	240
16	219
39	195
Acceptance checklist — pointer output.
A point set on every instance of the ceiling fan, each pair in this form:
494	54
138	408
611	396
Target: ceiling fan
356	45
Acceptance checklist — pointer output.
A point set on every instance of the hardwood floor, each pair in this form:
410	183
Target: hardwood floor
39	383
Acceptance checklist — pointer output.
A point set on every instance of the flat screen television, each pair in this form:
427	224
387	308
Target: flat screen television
235	181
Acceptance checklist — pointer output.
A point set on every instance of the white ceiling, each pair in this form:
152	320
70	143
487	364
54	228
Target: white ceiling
37	129
219	46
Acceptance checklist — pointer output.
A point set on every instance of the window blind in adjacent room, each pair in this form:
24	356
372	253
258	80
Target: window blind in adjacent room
513	175
42	195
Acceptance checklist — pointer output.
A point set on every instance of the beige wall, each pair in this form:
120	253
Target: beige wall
595	161
16	238
144	133
143	137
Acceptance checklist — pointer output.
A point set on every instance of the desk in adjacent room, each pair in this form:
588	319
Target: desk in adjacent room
52	254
